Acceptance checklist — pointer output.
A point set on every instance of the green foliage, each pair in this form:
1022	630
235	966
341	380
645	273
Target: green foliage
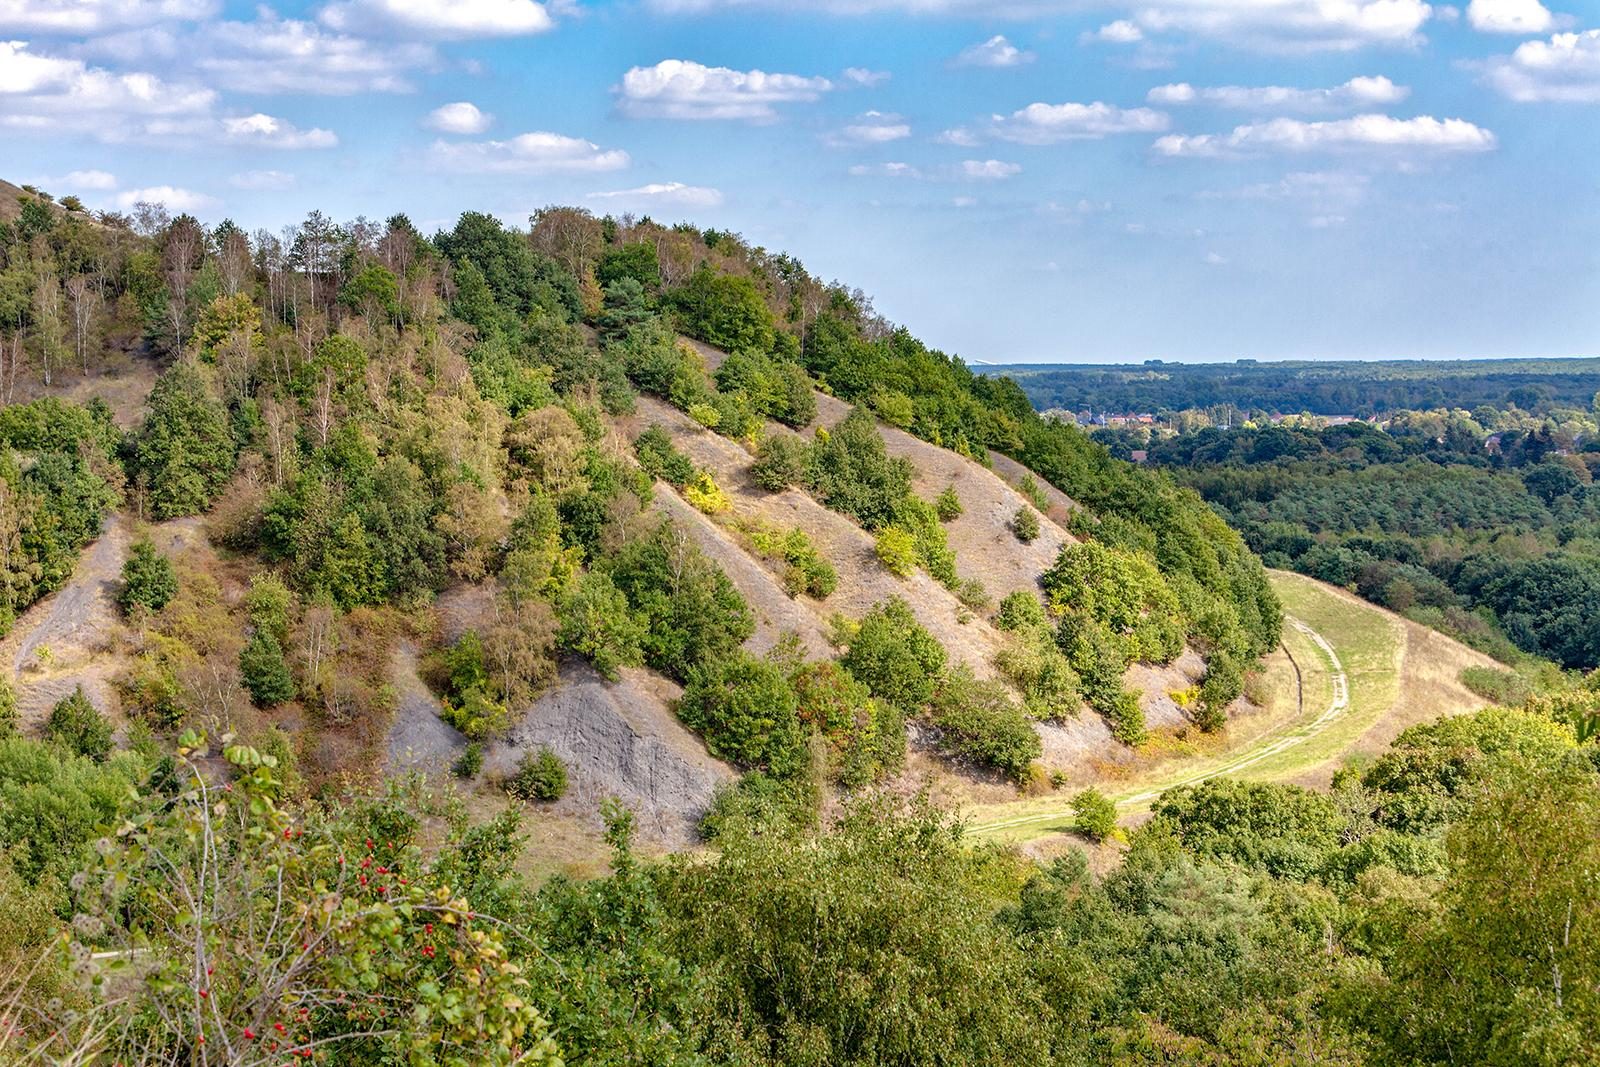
782	460
897	551
77	726
691	613
1496	685
598	624
540	776
54	803
978	720
866	737
747	711
661	459
852	472
1033	663
767	387
1127	719
270	605
184	451
8	709
1121	591
1020	610
947	504
724	310
894	657
1222	685
1095	814
470	762
636	261
264	670
1285	830
1025	524
148	580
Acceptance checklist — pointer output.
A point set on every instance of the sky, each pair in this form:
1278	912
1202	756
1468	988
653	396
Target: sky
1013	180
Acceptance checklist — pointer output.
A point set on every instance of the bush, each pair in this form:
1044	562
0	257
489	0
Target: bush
1127	719
947	505
265	672
978	720
897	551
781	461
746	710
8	709
1223	683
894	657
1096	814
270	605
1047	682
705	495
690	612
75	725
1019	610
807	572
866	737
1025	524
148	580
1504	687
470	762
661	459
597	624
539	776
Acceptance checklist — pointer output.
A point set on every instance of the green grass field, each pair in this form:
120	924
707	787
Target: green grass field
1366	646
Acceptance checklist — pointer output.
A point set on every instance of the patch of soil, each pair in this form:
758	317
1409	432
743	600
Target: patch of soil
418	738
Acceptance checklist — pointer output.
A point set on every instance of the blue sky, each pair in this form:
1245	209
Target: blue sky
1027	180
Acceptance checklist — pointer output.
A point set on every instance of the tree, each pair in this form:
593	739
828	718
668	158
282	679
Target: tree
1025	524
1095	814
598	624
540	775
748	713
78	726
894	657
184	451
148	580
725	310
264	670
947	505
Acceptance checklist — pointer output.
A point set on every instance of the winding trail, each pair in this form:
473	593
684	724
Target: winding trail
1291	735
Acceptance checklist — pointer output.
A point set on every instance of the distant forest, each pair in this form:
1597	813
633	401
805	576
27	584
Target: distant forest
1342	388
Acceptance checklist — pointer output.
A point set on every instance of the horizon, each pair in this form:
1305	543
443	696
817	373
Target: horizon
1194	181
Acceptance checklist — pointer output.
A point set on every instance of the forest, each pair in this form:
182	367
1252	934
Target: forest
1325	387
364	418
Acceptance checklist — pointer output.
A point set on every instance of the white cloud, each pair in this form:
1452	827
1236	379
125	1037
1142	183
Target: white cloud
666	193
885	170
50	94
963	201
1326	222
1039	123
873	127
529	153
453	19
864	78
96	16
1510	16
1357	92
995	52
174	198
1363	132
1564	69
461	117
683	89
98	180
266	131
988	170
262	180
274	55
1216	260
1119	32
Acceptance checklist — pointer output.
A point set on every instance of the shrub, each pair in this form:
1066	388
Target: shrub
1503	687
866	737
470	762
897	551
1019	610
978	720
972	593
947	505
689	610
597	624
781	461
746	710
264	670
148	580
661	459
270	605
475	713
705	495
1035	493
1223	683
808	572
8	709
1025	524
77	726
539	776
1047	682
1127	719
1096	814
894	657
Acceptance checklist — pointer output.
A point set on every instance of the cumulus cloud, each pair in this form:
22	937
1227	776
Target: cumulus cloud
461	117
988	170
1362	132
266	131
96	16
971	170
262	180
454	20
995	52
873	127
1039	124
539	152
98	180
1357	92
53	94
683	89
1119	32
174	198
276	55
1564	69
864	78
676	193
1510	16
885	170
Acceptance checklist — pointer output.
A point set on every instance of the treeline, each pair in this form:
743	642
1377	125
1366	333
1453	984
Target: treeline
1495	541
1362	388
1434	908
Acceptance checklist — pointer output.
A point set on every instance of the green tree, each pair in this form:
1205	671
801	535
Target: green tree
598	624
78	726
747	711
540	775
266	673
184	451
894	657
148	580
1095	814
